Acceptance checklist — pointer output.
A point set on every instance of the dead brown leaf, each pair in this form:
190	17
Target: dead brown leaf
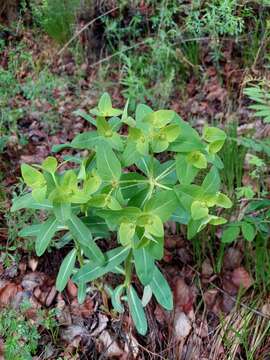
183	296
8	293
240	277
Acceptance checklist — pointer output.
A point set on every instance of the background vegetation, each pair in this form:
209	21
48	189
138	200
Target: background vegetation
207	60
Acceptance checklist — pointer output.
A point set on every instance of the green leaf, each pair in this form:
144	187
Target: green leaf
230	234
197	159
147	295
118	216
144	264
141	112
171	132
165	173
116	299
161	290
199	210
85	116
156	248
162	204
130	154
32	177
47	231
193	227
109	135
62	211
188	140
96	225
81	233
159	144
108	166
211	183
105	107
186	172
187	194
215	146
158	119
105	103
27	202
92	271
65	270
217	220
91	183
152	224
30	230
131	183
57	148
50	164
126	233
223	201
87	140
248	231
136	310
81	292
213	134
39	194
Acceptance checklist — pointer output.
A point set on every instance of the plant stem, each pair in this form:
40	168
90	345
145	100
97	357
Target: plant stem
128	270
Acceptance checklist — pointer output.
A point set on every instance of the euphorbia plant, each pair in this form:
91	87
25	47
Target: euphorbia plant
139	173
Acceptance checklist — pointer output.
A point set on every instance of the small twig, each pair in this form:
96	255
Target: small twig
84	28
257	312
120	52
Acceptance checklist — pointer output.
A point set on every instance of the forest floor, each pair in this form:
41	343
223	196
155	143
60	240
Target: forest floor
219	312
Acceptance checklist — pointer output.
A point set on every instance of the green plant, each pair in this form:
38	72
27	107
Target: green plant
216	18
148	53
123	187
56	17
261	101
19	335
233	156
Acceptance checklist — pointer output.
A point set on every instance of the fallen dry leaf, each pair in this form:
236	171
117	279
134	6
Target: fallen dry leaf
210	297
33	263
207	269
51	296
232	258
72	289
102	324
183	296
182	325
240	277
84	310
110	345
69	333
8	293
